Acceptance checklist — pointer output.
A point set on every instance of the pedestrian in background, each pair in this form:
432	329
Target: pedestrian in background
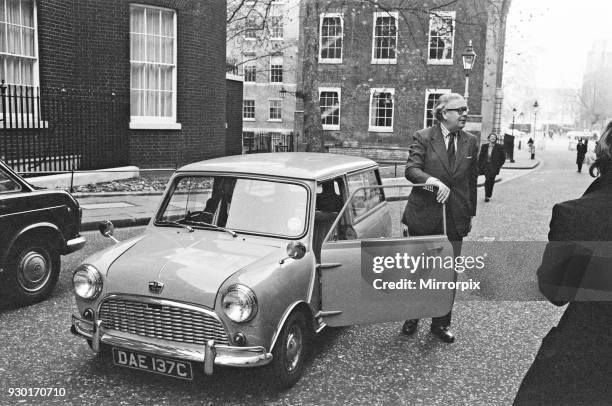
581	150
531	146
490	161
573	365
446	157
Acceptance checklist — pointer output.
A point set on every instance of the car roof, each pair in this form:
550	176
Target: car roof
300	165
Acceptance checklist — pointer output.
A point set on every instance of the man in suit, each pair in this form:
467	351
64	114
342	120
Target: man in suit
445	157
490	160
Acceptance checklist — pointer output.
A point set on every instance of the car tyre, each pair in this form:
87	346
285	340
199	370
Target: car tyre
291	351
32	271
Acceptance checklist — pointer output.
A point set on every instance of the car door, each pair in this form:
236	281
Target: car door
385	277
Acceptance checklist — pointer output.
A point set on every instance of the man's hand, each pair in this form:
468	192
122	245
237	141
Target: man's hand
443	190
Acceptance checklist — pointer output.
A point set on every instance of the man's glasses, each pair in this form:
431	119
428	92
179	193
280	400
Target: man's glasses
460	110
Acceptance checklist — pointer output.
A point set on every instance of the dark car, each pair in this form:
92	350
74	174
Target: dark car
36	227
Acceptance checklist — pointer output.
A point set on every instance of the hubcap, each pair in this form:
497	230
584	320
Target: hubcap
293	351
33	271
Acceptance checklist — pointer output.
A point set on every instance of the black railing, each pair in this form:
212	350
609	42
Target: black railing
62	130
255	142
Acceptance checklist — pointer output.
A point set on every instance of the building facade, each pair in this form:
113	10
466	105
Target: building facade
151	75
596	93
264	43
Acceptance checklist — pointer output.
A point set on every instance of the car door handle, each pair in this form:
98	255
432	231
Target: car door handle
437	248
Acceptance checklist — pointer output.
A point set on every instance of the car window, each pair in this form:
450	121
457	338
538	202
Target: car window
366	199
7	184
241	204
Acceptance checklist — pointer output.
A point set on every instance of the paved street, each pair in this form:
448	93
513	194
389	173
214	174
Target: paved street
498	329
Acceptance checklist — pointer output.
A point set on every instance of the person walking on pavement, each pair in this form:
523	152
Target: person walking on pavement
581	150
490	160
446	157
572	366
531	146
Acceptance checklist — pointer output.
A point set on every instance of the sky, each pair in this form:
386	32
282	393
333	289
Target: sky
555	36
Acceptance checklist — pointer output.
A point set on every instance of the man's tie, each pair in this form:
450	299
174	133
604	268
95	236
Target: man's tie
450	149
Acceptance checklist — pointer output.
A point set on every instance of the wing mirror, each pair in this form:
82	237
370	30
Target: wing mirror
107	229
295	250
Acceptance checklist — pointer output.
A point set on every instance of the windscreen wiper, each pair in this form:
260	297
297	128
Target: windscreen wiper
205	224
176	223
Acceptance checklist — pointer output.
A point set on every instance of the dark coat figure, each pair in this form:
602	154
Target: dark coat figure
452	167
581	150
531	146
574	364
490	161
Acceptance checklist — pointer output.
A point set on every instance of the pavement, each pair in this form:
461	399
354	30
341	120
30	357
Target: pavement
128	209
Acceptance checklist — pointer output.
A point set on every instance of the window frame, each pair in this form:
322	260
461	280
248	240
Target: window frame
375	128
368	208
272	28
432	16
273	69
244	110
338	90
386	61
157	122
254	69
322	17
280	109
427	93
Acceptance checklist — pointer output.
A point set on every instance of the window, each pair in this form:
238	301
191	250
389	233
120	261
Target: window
153	67
276	27
275	110
329	101
250	74
381	110
330	38
441	37
384	46
250	29
366	199
248	109
18	46
431	98
276	69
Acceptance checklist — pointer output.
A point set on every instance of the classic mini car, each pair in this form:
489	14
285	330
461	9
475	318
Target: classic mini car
246	258
36	226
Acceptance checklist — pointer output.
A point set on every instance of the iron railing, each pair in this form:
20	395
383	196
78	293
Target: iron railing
255	142
62	130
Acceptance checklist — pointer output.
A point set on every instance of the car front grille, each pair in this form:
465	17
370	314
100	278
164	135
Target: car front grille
162	319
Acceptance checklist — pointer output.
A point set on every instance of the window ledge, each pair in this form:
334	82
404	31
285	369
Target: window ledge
324	61
440	62
275	120
381	129
154	126
331	127
248	119
384	61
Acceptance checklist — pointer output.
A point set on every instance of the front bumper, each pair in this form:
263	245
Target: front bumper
209	354
74	244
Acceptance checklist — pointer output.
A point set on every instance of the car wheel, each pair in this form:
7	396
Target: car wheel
33	270
291	350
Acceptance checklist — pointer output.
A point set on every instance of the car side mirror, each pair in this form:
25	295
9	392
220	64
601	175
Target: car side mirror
107	229
295	250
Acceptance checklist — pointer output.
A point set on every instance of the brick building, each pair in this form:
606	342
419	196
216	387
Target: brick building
382	66
148	75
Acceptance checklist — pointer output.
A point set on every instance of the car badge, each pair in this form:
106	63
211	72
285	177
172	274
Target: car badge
156	287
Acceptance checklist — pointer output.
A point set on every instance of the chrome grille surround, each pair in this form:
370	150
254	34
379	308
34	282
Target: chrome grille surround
163	319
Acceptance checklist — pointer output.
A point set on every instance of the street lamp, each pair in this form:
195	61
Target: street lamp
513	114
298	94
535	115
511	153
468	58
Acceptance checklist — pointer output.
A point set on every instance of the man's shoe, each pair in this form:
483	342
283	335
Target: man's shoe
410	327
487	199
443	334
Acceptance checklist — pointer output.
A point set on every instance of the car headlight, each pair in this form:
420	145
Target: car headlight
239	303
87	282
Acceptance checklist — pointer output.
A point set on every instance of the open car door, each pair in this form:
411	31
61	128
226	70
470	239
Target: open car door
386	277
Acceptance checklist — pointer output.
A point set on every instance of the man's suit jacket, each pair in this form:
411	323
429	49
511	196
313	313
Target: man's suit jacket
428	157
498	158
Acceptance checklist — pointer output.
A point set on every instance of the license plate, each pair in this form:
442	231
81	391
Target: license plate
146	362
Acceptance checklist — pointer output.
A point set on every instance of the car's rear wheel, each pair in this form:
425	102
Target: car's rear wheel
291	350
33	269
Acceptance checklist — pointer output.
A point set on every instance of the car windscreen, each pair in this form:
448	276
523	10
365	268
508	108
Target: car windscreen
240	204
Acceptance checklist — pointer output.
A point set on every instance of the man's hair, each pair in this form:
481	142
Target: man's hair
603	153
442	103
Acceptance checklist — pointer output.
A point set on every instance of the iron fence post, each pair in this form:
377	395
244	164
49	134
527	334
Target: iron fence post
72	179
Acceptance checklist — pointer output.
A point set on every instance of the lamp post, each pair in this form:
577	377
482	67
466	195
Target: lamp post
511	153
468	58
513	114
535	115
